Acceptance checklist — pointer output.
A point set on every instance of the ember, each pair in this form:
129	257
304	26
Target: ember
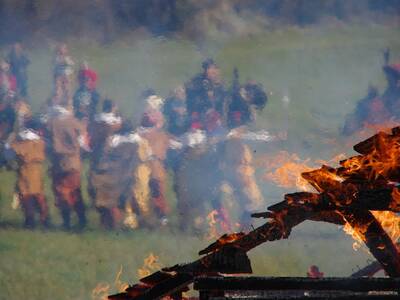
288	168
212	224
360	194
285	169
150	264
102	289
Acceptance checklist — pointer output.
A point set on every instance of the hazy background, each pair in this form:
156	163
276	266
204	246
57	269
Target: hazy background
322	54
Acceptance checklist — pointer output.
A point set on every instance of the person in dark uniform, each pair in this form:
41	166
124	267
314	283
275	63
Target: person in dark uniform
175	112
8	119
239	181
86	98
245	101
391	96
19	63
375	109
205	92
369	110
104	124
111	178
8	82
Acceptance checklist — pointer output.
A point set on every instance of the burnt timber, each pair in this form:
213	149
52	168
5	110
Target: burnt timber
346	194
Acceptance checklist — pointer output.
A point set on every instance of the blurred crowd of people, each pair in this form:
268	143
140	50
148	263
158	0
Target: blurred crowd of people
194	136
197	136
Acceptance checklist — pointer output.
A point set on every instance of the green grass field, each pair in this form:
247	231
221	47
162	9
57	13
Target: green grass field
323	70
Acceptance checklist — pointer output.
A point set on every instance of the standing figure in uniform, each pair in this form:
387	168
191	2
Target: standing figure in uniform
63	73
104	125
65	134
7	109
111	178
152	131
206	92
29	148
369	110
8	82
19	62
175	112
391	96
86	98
375	109
237	165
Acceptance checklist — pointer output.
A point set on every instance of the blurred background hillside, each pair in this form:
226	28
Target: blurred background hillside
108	20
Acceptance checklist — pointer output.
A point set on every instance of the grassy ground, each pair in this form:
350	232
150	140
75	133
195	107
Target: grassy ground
324	71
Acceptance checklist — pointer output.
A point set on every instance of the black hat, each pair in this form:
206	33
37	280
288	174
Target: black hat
126	127
207	63
34	124
108	105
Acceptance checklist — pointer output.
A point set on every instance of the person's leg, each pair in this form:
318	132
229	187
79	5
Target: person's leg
158	188
106	218
43	209
117	216
23	86
80	208
65	210
141	190
73	196
61	192
29	211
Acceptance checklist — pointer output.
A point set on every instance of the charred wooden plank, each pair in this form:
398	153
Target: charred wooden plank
373	143
376	239
347	193
369	270
136	289
323	179
155	278
296	283
167	287
223	240
120	296
387	199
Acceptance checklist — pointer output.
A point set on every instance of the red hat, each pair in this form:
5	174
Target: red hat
393	69
196	125
88	75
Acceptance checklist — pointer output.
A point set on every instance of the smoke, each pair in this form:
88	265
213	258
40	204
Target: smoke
323	57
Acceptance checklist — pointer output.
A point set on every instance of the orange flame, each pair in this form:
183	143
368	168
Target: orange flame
103	289
358	240
284	169
150	264
390	222
370	129
213	232
219	222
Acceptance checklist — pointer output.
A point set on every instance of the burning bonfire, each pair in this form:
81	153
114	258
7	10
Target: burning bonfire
363	194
